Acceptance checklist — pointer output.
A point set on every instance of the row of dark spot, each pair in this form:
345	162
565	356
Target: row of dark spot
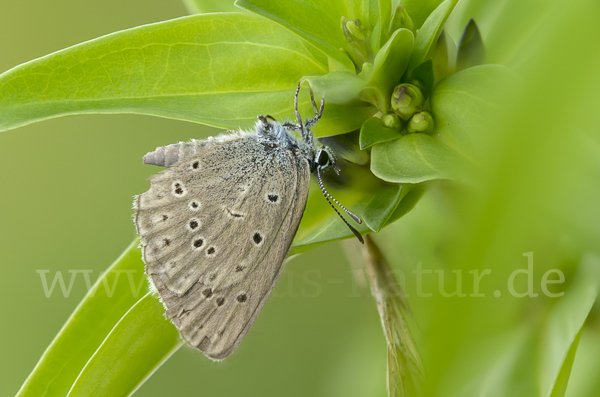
208	293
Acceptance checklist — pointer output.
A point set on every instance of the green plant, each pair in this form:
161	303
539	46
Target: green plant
497	128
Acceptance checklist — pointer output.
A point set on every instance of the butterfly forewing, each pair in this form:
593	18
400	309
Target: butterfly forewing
216	228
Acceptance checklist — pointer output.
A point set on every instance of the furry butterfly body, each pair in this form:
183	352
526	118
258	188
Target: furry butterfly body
218	223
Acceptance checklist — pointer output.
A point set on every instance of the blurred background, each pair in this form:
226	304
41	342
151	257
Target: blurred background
67	188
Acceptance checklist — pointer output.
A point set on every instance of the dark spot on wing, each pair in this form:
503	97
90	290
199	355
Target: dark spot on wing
198	243
257	238
273	198
207	292
242	298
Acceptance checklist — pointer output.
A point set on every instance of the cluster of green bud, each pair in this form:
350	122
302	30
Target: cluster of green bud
358	41
407	104
407	99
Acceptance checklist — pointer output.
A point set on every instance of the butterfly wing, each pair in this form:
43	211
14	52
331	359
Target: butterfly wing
216	228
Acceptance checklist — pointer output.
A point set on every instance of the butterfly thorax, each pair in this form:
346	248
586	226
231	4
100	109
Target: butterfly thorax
276	135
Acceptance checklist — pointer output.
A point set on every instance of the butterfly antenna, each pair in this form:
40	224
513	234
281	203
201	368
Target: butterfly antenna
326	193
327	196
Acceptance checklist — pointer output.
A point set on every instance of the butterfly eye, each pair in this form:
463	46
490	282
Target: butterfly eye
322	158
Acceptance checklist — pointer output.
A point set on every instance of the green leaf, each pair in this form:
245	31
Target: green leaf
208	68
373	132
141	341
425	77
389	66
359	191
110	298
206	6
443	56
564	326
464	108
338	87
471	51
370	12
419	10
381	207
346	146
429	32
385	19
318	23
342	104
413	158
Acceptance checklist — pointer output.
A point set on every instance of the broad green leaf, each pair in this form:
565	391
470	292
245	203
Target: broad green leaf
140	342
339	119
206	6
429	32
413	158
389	66
340	87
110	298
216	69
344	111
419	10
372	132
471	51
464	108
318	23
564	327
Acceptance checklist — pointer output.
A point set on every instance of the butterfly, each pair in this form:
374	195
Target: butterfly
218	223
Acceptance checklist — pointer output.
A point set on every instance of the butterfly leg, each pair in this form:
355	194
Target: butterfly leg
318	112
296	104
291	126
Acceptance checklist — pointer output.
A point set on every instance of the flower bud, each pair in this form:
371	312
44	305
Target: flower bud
357	41
406	100
390	120
354	30
420	122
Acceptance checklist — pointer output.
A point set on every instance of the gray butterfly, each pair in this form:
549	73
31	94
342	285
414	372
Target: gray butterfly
217	225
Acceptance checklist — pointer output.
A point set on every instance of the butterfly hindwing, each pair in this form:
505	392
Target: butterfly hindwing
216	228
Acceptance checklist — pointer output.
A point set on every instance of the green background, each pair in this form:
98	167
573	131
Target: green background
67	187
